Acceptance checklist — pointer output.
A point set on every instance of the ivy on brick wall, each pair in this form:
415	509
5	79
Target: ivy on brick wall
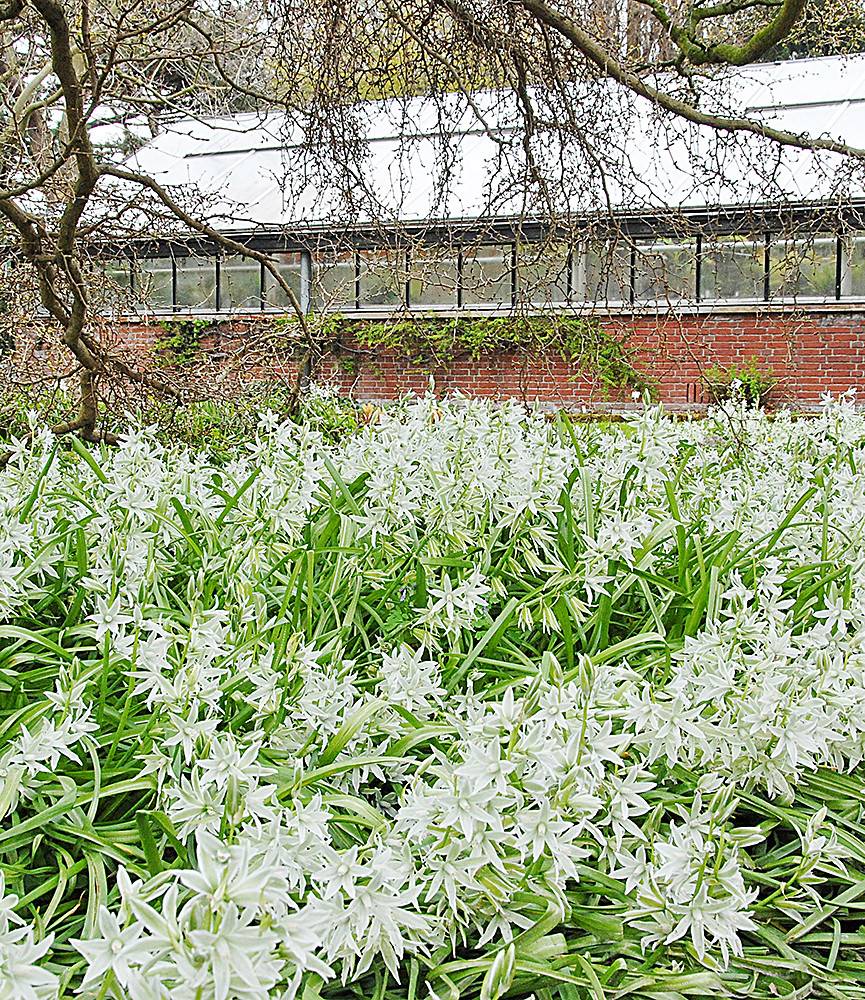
181	338
431	342
580	341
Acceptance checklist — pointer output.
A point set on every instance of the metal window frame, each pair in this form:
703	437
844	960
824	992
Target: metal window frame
698	270
305	281
304	284
839	266
567	269
220	294
793	239
575	280
457	301
578	276
757	241
356	302
847	242
657	245
407	283
198	255
509	274
632	274
401	258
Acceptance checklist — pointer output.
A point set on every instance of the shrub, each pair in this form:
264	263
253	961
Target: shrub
748	381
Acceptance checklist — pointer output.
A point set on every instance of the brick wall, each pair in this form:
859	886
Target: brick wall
811	351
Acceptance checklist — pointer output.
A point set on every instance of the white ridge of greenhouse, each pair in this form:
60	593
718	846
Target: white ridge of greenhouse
251	164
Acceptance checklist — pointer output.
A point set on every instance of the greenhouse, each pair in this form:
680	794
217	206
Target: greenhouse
422	243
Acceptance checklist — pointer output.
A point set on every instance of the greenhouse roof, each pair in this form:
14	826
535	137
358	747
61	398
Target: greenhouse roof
451	160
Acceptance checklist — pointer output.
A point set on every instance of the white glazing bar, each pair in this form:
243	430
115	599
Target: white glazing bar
305	281
846	251
578	292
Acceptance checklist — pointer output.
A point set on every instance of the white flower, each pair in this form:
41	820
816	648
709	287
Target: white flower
542	833
113	950
355	776
108	618
229	874
715	922
238	955
455	607
411	681
21	975
193	806
340	872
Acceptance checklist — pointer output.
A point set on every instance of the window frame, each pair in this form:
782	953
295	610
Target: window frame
508	279
615	259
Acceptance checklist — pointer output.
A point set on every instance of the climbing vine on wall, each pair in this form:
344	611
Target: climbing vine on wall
181	338
579	340
325	327
432	342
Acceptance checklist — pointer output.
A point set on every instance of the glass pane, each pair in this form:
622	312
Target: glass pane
382	278
732	268
333	282
433	278
542	274
239	283
288	265
803	268
111	284
665	270
487	276
196	282
118	272
853	273
153	282
604	273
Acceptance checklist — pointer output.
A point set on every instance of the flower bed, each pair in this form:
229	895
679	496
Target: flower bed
470	704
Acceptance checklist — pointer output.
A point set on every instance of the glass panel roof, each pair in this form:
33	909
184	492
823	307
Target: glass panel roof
255	171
